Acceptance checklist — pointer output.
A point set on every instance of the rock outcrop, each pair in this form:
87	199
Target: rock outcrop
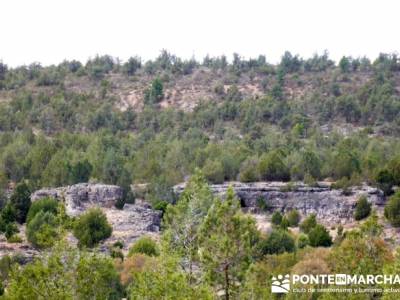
79	197
330	205
130	223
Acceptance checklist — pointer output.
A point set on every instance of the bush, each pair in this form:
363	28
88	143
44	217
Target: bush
248	170
160	205
42	231
363	208
45	205
91	228
214	171
278	241
385	181
293	217
392	209
302	241
272	167
319	236
276	218
154	93
21	200
144	245
309	223
10	230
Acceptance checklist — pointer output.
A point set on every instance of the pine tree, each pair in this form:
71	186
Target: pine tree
228	239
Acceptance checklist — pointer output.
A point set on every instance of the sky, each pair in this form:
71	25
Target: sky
49	31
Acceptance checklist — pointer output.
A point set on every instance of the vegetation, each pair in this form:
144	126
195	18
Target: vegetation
363	208
144	245
155	123
91	228
392	210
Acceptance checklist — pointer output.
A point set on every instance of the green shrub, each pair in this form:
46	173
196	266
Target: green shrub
42	231
14	239
319	236
160	205
248	170
278	241
144	245
392	209
363	208
21	200
293	217
302	241
45	205
154	93
276	218
272	167
214	171
309	223
11	229
91	228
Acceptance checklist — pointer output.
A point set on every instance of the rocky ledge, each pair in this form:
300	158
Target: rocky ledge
79	197
332	206
129	223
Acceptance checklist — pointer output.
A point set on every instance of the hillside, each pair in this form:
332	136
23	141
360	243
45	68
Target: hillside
180	179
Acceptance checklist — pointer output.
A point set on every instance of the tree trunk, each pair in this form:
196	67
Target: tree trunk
226	283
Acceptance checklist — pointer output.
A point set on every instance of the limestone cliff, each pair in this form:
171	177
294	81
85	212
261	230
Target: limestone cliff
332	206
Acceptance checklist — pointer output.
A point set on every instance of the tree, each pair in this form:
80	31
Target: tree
344	64
278	241
363	208
42	230
319	236
81	171
249	170
276	218
392	209
302	241
112	166
132	65
3	70
155	93
272	167
42	205
213	171
161	278
91	228
21	200
144	245
309	223
66	273
293	217
228	239
385	181
182	221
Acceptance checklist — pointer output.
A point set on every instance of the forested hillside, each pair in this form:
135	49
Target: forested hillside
156	121
310	125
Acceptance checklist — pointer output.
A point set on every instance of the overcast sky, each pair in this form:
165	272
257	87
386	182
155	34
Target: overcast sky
49	31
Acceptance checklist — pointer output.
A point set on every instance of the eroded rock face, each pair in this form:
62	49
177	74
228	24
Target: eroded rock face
331	206
130	223
134	221
80	197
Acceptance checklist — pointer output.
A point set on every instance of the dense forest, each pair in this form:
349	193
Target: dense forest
166	120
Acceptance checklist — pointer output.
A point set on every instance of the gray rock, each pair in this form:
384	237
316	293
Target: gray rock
130	223
331	206
79	197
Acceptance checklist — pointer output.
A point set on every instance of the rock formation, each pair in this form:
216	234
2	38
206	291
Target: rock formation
330	205
79	197
130	223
